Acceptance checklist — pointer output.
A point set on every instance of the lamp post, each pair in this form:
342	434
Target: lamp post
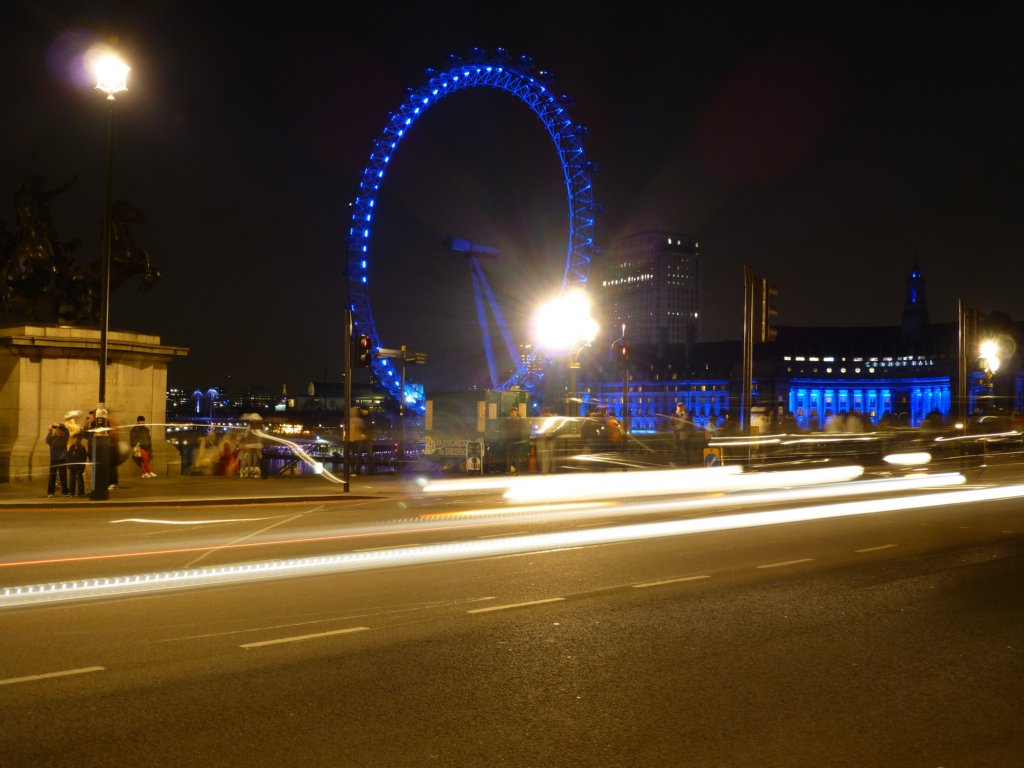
990	361
565	324
111	77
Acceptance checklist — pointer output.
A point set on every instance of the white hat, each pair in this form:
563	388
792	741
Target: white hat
72	415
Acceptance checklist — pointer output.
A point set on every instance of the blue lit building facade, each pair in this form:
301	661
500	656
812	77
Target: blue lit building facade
902	372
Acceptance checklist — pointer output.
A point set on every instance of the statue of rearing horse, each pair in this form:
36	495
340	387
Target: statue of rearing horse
34	257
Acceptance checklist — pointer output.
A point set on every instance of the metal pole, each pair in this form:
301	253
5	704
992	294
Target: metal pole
625	388
100	437
346	446
574	401
748	350
401	416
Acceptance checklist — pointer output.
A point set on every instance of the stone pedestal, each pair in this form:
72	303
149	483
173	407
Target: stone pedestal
46	371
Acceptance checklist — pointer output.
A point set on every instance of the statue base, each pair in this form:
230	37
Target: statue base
50	370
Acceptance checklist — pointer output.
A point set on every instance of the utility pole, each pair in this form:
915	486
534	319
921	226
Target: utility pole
746	387
347	443
625	387
967	330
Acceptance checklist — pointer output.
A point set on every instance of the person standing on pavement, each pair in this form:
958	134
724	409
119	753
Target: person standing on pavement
77	456
114	449
57	439
142	443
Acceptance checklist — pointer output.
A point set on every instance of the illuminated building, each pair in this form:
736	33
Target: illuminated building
904	372
651	283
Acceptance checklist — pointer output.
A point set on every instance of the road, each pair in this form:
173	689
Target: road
638	632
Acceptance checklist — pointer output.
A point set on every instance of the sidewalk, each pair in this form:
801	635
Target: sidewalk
201	489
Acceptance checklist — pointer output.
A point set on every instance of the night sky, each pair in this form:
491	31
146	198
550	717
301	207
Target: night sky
825	148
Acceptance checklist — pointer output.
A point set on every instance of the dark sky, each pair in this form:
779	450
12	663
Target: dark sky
827	148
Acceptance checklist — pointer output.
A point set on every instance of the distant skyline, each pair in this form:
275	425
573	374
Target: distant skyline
826	147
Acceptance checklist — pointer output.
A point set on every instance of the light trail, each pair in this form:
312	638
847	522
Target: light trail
543	512
477	548
661	482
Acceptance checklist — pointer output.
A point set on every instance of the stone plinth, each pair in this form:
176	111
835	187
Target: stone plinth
46	371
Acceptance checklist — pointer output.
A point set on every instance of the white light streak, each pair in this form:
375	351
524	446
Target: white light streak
908	459
191	578
661	482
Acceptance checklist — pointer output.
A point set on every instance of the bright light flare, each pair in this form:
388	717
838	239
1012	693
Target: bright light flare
110	70
565	323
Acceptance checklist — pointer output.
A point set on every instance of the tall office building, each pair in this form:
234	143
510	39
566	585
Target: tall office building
651	282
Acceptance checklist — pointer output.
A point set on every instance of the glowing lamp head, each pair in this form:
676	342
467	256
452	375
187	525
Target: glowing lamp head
111	73
565	323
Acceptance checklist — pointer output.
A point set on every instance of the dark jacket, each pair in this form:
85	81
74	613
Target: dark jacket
140	436
77	453
57	439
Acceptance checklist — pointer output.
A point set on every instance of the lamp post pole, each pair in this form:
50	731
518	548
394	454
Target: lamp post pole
574	367
111	78
100	436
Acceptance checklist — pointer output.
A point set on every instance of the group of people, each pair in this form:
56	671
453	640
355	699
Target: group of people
229	453
70	446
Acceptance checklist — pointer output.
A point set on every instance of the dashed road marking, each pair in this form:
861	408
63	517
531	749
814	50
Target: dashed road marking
669	581
300	638
875	549
515	605
47	675
787	562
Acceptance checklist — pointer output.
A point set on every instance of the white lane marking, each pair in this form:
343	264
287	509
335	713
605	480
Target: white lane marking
669	581
299	638
264	529
385	547
787	562
515	605
187	522
875	549
47	675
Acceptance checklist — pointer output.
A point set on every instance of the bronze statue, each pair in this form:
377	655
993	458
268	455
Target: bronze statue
38	275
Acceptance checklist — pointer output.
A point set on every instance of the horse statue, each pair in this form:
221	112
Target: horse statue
80	290
32	257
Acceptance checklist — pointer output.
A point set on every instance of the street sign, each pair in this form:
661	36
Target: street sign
712	457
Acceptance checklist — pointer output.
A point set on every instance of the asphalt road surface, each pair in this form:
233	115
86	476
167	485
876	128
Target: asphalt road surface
600	636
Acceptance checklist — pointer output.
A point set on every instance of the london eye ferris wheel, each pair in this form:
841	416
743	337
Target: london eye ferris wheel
531	86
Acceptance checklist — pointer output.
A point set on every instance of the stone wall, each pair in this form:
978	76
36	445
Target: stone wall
46	371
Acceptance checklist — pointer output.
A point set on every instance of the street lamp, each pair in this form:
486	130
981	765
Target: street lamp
111	77
988	353
564	324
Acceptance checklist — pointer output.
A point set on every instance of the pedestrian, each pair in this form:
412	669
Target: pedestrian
113	448
681	426
549	432
77	456
592	429
57	439
357	441
252	447
142	445
517	440
71	422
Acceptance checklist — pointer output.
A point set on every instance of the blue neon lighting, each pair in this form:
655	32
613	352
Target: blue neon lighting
553	117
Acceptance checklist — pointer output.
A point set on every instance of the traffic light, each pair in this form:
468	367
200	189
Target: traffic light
767	330
362	351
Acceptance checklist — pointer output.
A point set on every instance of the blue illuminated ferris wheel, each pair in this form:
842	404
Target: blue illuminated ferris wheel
520	79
